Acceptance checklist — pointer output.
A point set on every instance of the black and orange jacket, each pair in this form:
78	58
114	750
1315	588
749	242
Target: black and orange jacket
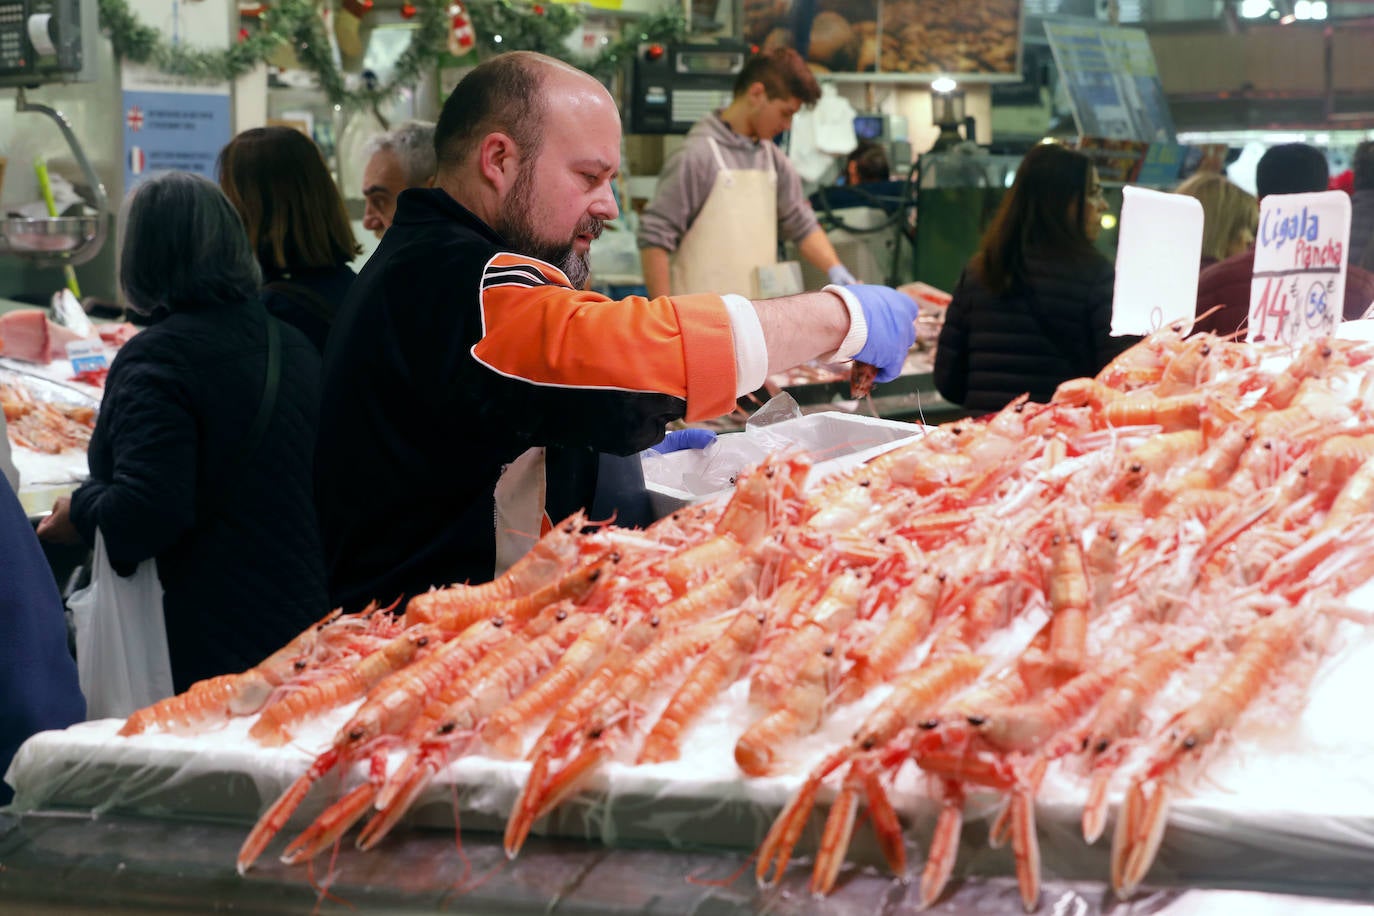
453	356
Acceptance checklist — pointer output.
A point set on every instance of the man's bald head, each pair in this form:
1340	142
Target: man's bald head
546	200
505	94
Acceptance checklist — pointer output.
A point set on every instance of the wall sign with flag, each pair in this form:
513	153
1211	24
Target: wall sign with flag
181	130
174	121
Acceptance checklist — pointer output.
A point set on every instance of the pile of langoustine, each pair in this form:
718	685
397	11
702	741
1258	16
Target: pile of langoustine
44	426
1179	533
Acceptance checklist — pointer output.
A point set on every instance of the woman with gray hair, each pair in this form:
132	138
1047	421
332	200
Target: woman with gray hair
202	453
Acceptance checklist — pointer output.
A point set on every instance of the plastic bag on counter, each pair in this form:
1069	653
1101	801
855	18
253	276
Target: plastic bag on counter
827	438
700	471
67	311
122	661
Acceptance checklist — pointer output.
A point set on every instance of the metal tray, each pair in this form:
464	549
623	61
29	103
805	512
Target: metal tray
46	389
53	239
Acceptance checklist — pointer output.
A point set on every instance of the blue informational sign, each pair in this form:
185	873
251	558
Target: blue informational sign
1162	166
166	131
1112	82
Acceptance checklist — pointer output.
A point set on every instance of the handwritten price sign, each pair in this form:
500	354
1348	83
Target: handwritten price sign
1297	291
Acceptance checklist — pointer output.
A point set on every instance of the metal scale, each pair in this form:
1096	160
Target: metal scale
41	43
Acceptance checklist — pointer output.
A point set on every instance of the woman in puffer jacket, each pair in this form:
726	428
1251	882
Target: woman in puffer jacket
1033	307
202	457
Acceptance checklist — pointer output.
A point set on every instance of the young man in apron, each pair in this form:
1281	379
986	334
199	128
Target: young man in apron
726	195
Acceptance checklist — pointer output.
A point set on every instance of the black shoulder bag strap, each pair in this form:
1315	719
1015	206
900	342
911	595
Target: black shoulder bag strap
305	297
266	404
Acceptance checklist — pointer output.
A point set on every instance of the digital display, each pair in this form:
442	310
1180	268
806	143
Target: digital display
868	127
723	62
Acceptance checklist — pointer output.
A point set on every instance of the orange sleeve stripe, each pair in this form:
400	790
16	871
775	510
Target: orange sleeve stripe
506	259
553	335
709	353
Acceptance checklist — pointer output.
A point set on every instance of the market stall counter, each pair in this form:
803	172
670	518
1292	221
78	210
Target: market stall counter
950	633
53	864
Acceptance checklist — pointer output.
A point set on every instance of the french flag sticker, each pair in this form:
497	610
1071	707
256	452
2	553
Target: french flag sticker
138	161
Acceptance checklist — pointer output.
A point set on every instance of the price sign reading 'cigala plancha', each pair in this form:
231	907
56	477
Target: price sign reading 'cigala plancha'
1297	291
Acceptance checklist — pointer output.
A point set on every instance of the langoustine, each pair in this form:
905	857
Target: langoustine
998	509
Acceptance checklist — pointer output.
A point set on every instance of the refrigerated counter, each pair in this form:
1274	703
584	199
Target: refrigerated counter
72	865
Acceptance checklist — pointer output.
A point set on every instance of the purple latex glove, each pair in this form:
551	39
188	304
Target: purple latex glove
840	276
891	320
679	439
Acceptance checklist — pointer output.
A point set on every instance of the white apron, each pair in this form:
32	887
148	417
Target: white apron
519	497
735	233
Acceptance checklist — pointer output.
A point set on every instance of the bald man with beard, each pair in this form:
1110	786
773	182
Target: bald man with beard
471	382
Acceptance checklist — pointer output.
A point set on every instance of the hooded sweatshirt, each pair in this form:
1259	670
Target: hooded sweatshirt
690	173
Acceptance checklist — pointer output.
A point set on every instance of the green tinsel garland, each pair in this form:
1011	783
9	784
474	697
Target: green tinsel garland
547	31
543	28
143	44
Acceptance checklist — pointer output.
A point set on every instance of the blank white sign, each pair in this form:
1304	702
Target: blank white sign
1157	256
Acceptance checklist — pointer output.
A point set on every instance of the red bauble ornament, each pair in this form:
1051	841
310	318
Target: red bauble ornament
538	10
243	34
408	11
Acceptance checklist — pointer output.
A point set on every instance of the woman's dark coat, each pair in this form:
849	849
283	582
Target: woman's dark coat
237	542
1056	326
308	299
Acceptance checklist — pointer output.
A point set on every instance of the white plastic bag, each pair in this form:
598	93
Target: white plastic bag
121	640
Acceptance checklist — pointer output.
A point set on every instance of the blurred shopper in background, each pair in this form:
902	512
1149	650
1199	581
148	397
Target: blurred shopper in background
1289	168
38	683
398	159
297	224
201	456
1230	215
726	197
1033	307
867	163
1362	206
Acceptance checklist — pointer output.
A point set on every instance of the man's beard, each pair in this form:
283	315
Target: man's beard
517	227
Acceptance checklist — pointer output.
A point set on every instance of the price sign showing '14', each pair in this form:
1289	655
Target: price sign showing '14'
1297	291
